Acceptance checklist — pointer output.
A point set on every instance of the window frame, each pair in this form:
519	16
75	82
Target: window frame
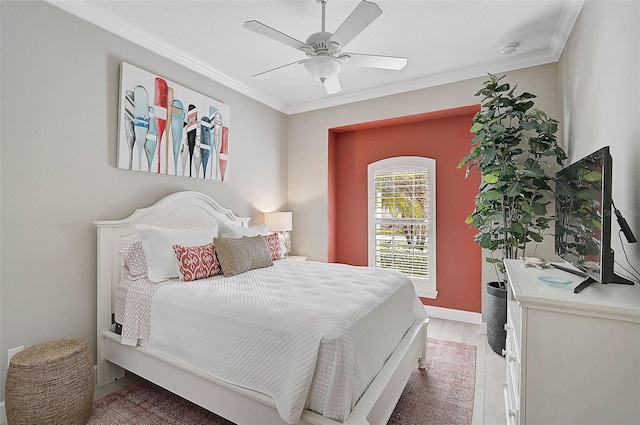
424	287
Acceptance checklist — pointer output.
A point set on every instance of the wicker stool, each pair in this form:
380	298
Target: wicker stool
50	383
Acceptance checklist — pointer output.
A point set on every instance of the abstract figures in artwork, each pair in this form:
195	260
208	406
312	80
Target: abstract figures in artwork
168	128
177	123
129	111
141	120
152	140
192	126
175	140
205	143
160	112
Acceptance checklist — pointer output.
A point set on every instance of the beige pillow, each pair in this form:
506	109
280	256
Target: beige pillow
238	255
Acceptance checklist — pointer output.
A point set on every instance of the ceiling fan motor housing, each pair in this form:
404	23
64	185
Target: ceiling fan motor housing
321	45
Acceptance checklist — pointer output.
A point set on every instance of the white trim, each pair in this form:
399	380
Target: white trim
117	26
3	413
428	287
110	22
426	293
457	315
565	25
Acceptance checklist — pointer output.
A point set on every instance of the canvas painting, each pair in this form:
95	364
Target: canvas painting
166	128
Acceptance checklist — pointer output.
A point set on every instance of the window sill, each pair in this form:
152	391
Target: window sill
427	293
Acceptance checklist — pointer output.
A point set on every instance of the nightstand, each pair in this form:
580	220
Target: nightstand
296	257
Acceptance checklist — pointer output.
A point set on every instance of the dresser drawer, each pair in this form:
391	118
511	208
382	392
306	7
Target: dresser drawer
512	358
510	402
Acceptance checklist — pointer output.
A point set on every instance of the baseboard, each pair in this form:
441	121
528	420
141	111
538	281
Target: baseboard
452	314
3	414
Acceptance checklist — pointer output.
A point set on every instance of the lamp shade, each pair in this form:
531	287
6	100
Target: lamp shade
280	221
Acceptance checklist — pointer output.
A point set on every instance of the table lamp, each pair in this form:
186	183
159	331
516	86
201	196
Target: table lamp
280	222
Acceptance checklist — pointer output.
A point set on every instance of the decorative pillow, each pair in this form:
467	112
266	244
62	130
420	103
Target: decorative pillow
238	255
230	230
283	245
135	263
196	262
158	242
274	245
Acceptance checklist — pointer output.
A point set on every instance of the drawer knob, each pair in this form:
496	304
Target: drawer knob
512	413
504	352
504	384
512	358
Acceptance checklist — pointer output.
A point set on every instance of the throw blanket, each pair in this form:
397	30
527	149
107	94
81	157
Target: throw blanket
310	335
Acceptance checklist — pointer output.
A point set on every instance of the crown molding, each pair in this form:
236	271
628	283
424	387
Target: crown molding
565	26
518	62
119	27
561	35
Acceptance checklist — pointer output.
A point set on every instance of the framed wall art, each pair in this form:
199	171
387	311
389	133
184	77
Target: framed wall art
166	128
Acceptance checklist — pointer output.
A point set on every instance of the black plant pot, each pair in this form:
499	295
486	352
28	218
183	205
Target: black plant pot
496	316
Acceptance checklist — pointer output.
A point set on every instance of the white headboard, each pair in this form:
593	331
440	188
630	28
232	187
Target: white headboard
178	210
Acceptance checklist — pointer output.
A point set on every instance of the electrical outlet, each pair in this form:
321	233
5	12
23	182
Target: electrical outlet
13	352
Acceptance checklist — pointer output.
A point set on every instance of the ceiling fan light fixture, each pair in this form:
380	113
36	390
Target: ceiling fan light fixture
322	67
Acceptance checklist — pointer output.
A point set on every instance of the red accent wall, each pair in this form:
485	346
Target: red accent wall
442	135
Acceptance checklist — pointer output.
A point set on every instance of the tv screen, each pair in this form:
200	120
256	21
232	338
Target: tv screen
583	215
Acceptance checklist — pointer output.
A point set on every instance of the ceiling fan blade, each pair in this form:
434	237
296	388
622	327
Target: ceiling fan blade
276	71
332	85
276	35
376	61
361	17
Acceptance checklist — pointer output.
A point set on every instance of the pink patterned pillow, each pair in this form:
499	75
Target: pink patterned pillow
135	263
273	243
196	262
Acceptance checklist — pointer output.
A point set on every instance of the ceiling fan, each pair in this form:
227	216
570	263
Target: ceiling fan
324	49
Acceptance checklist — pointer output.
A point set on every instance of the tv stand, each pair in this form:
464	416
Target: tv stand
621	280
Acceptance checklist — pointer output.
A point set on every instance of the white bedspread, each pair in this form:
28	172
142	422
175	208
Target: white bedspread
310	335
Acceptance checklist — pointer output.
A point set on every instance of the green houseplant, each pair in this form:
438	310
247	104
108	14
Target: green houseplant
513	146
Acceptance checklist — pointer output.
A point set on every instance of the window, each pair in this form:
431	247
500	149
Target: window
402	220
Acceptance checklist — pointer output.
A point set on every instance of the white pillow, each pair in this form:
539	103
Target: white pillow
230	230
158	242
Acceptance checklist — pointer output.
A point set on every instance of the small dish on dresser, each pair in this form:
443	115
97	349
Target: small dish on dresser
555	281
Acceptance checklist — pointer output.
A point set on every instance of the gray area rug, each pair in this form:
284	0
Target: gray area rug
442	394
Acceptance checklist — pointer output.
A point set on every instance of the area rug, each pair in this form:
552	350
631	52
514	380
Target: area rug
442	394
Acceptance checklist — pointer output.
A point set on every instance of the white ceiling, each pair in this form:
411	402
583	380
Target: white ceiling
444	41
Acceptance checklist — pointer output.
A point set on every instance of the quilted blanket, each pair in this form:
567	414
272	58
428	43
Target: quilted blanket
310	335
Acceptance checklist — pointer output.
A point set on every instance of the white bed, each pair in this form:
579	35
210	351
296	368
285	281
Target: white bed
238	404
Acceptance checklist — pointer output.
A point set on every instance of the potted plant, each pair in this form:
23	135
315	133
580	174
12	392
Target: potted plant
512	149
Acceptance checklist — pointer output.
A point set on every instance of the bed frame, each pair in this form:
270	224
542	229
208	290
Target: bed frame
240	405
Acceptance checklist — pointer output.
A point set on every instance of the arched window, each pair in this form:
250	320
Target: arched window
402	219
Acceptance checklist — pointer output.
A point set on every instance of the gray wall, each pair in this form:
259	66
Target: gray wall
600	80
60	85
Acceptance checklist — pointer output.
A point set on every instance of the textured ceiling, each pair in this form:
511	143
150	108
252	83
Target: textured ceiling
444	41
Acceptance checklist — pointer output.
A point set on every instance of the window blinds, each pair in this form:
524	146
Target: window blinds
401	220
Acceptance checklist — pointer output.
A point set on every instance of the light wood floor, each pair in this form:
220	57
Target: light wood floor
488	405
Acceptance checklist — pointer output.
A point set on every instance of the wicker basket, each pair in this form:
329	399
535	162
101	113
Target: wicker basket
50	383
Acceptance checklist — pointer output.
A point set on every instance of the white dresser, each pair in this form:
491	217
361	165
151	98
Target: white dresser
571	358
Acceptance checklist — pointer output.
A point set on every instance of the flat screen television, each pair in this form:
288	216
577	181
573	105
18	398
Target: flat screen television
583	217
